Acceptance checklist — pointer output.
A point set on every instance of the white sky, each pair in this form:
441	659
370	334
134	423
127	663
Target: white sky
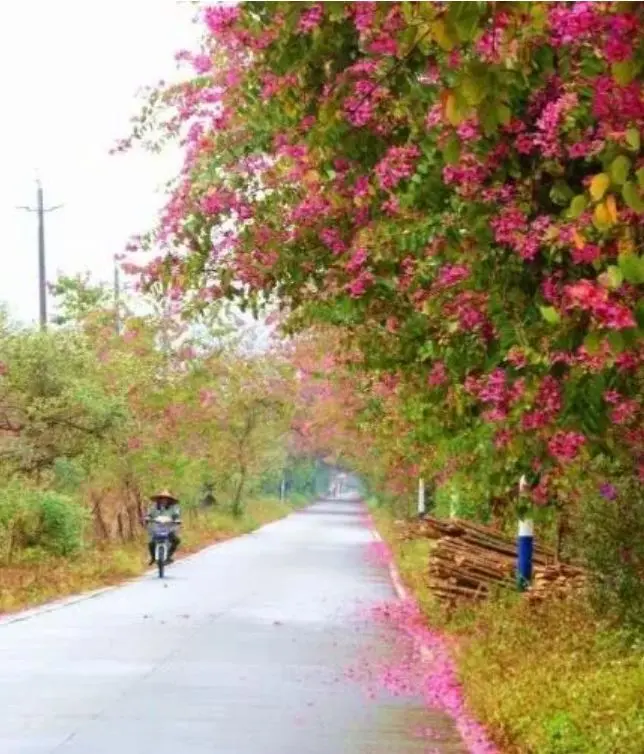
70	71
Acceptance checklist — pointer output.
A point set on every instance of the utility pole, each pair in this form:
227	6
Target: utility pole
42	271
117	297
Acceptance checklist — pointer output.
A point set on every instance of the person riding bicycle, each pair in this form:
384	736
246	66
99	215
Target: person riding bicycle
164	504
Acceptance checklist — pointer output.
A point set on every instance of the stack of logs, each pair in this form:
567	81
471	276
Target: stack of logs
469	561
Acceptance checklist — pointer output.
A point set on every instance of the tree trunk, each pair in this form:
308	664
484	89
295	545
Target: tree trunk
237	500
97	515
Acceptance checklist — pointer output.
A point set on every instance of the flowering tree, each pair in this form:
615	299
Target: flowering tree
457	187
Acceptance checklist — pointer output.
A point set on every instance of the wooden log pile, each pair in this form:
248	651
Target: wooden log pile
470	561
557	580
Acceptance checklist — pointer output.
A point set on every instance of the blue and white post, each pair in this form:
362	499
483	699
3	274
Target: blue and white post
525	546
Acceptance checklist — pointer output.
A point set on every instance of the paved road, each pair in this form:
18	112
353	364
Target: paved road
242	650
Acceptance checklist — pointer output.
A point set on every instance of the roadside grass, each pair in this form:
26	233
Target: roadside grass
544	679
34	577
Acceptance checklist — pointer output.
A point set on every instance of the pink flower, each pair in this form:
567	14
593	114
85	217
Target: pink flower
310	18
357	260
397	164
364	15
437	375
587	295
391	206
221	18
434	116
452	274
502	439
586	255
359	286
565	446
624	411
383	44
574	23
547	402
469	130
622	33
331	237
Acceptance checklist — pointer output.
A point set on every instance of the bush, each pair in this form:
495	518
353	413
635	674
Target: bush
60	523
612	543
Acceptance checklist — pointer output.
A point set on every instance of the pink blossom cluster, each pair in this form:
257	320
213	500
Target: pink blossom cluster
470	310
310	18
310	209
272	84
622	31
437	375
360	284
575	23
495	390
547	403
332	238
364	15
361	106
624	410
489	45
452	274
386	385
565	446
590	296
357	261
397	164
617	106
467	176
221	18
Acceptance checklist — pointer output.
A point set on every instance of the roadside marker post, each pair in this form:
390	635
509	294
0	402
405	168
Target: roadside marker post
421	497
525	547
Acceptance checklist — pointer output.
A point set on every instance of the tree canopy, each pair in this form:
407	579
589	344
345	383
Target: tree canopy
456	188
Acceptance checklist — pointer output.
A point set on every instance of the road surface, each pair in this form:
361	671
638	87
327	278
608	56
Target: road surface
241	650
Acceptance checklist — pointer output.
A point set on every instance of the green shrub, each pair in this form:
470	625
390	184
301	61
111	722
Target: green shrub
60	523
612	543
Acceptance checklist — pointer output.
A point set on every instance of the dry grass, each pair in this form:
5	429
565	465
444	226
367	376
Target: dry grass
35	578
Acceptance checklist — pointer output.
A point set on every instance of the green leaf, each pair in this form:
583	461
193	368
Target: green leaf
473	89
455	110
624	71
550	314
616	340
442	35
633	139
632	197
619	169
577	206
561	193
599	185
640	177
452	151
632	268
503	114
614	276
592	342
464	17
